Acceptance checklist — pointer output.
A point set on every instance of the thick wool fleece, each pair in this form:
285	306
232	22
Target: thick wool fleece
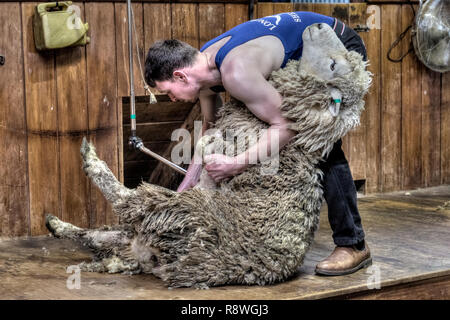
255	228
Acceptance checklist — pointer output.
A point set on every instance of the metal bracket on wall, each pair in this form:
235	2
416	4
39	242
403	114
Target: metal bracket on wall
2	59
361	28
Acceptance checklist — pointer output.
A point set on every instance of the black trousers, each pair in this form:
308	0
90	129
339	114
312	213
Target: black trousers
338	185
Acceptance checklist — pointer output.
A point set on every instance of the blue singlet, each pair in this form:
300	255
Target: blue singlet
288	27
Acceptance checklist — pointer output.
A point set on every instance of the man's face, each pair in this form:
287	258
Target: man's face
179	88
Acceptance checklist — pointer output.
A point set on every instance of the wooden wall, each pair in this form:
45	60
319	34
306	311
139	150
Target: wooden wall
49	101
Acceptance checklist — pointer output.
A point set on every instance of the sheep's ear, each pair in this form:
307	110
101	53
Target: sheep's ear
336	97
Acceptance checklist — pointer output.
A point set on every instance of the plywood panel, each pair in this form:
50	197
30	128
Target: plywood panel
211	21
391	100
41	115
14	201
185	23
72	126
102	101
123	68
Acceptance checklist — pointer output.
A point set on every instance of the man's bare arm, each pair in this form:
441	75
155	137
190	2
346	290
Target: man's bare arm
264	101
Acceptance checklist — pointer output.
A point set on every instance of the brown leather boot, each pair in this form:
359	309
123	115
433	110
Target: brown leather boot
344	260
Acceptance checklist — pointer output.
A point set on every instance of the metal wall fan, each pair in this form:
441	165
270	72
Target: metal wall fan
431	34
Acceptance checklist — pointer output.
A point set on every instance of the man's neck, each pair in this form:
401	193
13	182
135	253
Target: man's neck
205	72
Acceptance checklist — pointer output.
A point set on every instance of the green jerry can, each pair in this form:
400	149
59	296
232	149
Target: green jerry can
57	25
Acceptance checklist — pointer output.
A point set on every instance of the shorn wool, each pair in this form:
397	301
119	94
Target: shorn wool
257	227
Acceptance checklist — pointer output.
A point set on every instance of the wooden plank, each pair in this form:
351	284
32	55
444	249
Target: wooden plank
264	9
137	170
211	21
153	131
437	288
161	111
411	112
158	147
41	115
391	101
431	123
157	23
356	138
72	126
303	7
408	242
167	177
445	128
280	7
123	68
102	101
235	14
14	198
323	8
372	110
185	23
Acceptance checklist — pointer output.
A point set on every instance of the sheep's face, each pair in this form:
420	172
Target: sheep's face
324	55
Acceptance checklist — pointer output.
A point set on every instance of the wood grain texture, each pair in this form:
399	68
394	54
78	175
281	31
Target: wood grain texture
123	68
14	196
102	100
411	111
72	126
264	9
185	23
407	235
165	176
157	23
431	136
445	128
211	21
235	14
42	124
373	112
391	100
356	139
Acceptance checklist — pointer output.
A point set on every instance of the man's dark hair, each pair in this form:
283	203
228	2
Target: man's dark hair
164	57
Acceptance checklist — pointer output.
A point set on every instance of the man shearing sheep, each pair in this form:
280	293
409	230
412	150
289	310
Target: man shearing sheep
240	61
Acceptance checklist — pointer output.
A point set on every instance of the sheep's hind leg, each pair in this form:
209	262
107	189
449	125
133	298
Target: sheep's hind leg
110	246
97	170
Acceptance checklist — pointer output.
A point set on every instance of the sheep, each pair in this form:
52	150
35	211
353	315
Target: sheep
255	228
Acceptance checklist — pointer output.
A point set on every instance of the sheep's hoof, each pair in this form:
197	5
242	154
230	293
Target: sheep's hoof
60	228
51	223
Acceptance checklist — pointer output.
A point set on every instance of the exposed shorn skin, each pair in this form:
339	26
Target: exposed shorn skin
255	228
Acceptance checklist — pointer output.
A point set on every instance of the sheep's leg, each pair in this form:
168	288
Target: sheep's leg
97	170
111	247
96	239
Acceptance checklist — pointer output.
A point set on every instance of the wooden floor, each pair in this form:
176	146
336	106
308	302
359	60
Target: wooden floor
407	232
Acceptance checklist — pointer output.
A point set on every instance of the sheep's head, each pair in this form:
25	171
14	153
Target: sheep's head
323	93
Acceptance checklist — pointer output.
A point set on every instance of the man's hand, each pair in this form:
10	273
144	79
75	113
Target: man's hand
221	167
191	178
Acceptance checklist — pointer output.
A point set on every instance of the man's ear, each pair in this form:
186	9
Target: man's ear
336	100
179	75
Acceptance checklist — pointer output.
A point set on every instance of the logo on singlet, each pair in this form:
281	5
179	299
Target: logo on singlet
265	22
